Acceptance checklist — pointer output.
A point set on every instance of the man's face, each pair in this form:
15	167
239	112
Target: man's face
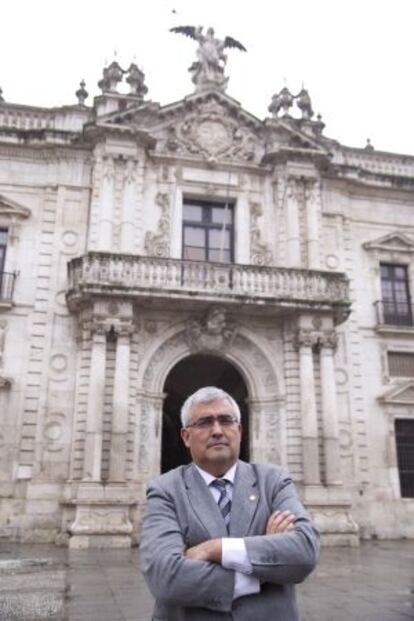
214	448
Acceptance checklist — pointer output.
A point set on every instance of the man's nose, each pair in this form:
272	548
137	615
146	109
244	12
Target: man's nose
216	428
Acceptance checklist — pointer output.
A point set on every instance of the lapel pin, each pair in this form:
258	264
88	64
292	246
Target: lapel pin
252	497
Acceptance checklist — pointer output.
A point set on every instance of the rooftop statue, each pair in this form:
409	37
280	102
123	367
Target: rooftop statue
208	71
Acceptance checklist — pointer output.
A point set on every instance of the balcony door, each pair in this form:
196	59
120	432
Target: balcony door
395	294
186	377
208	231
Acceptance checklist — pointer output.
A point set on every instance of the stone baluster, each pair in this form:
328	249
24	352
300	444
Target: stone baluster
328	342
129	200
120	409
311	472
292	224
94	417
312	197
106	205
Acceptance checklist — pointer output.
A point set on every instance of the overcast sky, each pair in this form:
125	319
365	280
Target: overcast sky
355	57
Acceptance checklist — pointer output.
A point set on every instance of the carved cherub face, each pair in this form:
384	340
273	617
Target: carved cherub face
216	321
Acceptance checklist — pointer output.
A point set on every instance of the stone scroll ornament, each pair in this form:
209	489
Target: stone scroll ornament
208	70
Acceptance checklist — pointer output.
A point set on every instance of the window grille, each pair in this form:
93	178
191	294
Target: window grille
395	294
401	364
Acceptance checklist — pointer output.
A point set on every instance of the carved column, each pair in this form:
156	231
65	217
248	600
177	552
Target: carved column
106	205
329	408
129	199
312	198
94	420
311	473
292	224
117	457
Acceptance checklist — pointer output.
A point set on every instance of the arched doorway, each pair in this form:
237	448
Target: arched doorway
185	378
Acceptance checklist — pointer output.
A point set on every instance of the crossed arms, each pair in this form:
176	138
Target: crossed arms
183	575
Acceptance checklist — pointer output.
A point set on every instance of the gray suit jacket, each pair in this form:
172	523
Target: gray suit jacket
181	512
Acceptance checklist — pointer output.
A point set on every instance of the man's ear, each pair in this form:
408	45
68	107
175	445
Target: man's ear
185	436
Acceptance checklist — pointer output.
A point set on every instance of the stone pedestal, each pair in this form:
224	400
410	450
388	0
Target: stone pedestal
330	507
102	517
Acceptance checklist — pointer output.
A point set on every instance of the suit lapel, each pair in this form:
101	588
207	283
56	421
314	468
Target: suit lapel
245	500
203	504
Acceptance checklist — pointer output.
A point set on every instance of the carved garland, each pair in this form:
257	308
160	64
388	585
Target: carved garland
158	244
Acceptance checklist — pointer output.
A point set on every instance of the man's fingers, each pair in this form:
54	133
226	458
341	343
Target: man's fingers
279	522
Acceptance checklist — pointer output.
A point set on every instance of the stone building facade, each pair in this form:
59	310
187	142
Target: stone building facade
147	250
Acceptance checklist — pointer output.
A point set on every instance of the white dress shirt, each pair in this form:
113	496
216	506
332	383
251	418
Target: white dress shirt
234	554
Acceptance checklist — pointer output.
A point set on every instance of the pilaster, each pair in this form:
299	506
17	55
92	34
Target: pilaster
292	223
311	474
120	410
327	345
313	206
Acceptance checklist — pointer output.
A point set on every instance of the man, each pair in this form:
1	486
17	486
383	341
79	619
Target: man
223	539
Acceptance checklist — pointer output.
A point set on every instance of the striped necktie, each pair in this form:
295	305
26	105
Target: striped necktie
224	502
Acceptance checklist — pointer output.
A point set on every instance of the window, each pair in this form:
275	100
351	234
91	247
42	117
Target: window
3	246
395	294
207	231
404	436
3	277
400	364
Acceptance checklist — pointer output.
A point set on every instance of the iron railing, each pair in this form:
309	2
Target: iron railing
7	282
393	313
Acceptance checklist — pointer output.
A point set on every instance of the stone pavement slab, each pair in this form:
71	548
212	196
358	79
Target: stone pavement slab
374	582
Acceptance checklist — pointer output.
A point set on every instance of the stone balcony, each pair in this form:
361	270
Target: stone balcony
271	289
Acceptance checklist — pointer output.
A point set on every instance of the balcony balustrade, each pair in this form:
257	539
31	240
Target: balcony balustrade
393	313
130	275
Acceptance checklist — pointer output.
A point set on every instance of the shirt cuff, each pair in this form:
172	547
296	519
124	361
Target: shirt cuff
234	555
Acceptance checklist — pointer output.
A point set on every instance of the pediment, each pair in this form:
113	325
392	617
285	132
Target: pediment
285	135
13	210
395	242
402	395
213	126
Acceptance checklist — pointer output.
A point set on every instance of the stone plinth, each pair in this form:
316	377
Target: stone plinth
330	507
102	517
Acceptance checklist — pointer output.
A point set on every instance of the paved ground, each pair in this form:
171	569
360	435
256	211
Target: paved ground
372	583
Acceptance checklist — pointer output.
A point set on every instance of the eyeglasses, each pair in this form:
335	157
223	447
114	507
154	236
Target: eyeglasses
207	422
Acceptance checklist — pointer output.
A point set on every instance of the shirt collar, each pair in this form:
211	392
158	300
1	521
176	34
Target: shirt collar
209	478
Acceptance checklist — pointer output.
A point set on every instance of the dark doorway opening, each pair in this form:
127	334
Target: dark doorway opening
185	378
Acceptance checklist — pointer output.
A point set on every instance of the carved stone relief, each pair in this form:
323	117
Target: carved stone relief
259	251
211	333
158	244
209	131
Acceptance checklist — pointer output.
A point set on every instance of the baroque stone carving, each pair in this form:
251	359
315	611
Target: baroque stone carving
259	252
212	333
158	244
328	340
208	131
306	338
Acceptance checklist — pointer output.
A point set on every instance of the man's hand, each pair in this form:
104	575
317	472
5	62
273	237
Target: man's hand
207	551
280	522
